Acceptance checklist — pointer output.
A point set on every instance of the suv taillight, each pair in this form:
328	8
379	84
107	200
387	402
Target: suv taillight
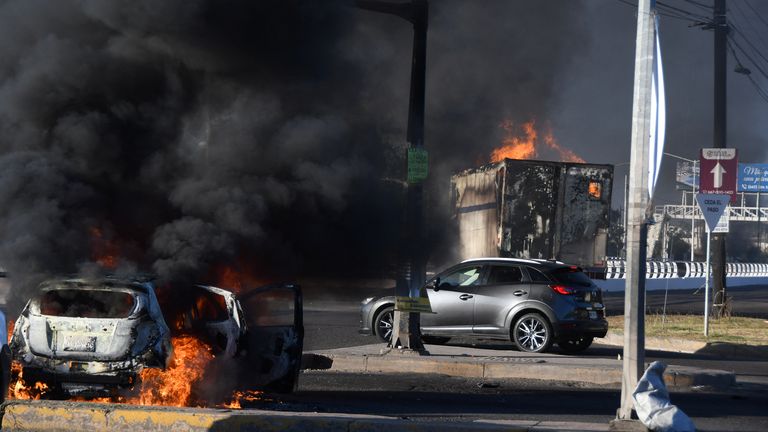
562	289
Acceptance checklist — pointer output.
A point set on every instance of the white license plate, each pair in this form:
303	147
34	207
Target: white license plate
79	343
592	315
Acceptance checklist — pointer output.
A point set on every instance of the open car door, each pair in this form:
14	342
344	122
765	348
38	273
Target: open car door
273	344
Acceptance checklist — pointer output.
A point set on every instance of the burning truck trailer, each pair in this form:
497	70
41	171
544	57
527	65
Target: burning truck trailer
534	209
107	338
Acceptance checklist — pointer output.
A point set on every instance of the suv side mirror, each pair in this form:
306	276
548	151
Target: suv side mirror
434	284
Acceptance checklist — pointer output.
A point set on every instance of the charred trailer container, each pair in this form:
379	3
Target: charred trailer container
534	209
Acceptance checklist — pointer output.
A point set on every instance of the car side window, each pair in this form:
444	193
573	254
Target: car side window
465	276
505	275
537	276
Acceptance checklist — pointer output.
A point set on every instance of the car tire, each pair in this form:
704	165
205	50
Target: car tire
435	340
532	333
572	346
383	324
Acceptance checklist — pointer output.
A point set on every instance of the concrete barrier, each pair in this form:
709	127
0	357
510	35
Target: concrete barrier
85	416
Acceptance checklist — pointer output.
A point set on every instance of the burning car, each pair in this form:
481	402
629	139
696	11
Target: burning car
257	337
108	337
90	336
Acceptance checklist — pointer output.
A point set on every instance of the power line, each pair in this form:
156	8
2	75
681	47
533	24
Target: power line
754	48
672	12
733	42
755	12
749	23
701	5
682	11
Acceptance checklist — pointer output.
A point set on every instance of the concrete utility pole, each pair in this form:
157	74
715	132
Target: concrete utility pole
720	306
634	293
407	326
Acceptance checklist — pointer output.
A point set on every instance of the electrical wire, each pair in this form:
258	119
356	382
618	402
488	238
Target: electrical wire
760	91
701	5
751	45
735	43
754	31
756	12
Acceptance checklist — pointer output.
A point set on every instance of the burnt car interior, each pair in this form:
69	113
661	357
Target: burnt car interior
262	329
74	303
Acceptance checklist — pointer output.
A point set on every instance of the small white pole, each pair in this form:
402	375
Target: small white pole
706	289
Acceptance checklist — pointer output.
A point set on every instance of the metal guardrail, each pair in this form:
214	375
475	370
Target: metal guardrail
615	269
738	214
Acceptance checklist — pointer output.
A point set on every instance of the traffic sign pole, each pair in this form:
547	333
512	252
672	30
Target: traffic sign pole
712	207
706	287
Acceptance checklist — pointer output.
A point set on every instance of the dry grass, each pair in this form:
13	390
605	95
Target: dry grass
739	330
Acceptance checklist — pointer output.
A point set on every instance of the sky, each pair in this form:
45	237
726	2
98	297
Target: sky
189	137
595	106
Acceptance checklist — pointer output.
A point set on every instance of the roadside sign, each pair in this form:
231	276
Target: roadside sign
718	171
417	165
687	175
752	178
712	207
413	304
723	224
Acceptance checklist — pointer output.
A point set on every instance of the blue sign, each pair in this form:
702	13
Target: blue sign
752	178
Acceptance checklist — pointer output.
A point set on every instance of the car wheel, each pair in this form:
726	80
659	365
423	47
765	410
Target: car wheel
532	333
435	340
384	323
575	345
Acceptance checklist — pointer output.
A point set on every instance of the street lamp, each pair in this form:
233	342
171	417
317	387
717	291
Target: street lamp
693	195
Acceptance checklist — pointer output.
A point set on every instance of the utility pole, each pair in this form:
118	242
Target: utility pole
407	325
634	292
720	306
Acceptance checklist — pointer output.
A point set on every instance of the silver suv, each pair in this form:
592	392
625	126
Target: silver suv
533	303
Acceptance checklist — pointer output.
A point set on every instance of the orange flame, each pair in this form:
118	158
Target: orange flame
242	396
173	386
104	251
229	278
17	389
525	145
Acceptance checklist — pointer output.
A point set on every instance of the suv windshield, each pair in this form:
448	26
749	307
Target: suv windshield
85	303
571	276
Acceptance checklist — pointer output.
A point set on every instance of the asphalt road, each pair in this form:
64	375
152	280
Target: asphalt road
440	398
332	322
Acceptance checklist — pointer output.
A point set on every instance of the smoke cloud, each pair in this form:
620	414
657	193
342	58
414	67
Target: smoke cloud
193	134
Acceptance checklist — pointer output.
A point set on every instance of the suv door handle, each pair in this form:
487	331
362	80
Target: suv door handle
519	292
465	296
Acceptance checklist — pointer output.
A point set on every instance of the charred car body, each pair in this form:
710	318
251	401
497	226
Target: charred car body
257	336
84	336
92	337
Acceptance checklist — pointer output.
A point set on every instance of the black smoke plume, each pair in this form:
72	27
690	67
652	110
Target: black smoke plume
191	134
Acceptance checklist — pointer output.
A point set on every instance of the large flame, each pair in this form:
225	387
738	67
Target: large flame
522	142
171	387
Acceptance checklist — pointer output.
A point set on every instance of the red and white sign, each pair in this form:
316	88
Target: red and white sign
719	168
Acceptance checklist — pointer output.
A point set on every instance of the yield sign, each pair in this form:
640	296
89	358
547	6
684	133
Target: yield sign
719	167
712	207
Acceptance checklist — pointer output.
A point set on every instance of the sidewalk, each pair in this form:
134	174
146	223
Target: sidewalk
469	362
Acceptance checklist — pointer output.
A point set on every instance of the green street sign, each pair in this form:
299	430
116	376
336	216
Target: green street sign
417	165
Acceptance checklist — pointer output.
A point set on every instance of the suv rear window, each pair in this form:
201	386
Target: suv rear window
571	276
84	303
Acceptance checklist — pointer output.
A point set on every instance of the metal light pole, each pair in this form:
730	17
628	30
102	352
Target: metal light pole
693	199
634	293
407	327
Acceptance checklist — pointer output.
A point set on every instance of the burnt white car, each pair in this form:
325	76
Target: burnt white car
257	337
90	336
